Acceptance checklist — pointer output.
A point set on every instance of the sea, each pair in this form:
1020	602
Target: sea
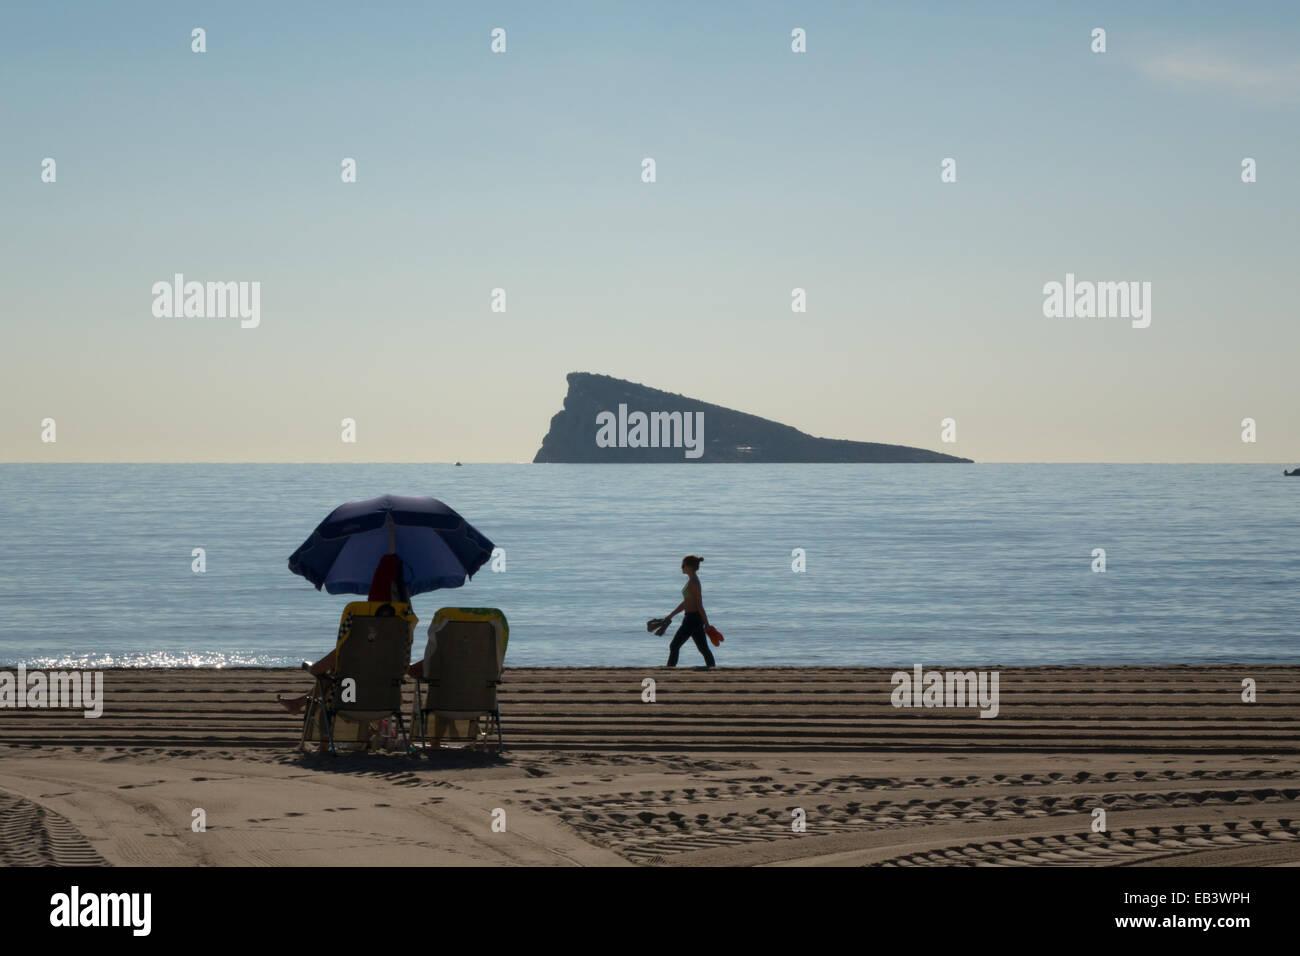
881	565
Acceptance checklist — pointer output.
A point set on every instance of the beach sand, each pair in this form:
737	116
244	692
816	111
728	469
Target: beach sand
714	772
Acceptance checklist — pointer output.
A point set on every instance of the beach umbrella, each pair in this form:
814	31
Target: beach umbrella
439	547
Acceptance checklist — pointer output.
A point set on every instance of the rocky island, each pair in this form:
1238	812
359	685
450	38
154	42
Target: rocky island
607	419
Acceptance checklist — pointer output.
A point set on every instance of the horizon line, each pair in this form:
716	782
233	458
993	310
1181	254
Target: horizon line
229	461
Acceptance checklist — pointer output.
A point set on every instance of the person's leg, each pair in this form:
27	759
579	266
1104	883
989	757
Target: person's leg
702	642
325	664
679	639
293	705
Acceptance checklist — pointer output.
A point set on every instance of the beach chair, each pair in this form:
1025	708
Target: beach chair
370	662
456	698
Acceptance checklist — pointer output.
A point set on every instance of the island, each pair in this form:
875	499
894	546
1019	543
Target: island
606	419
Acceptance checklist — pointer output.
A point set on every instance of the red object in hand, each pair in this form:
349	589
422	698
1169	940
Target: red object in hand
714	635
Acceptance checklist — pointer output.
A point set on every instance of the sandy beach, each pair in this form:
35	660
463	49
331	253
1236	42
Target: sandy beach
718	770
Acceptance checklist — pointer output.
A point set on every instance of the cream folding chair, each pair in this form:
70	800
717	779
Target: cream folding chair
463	666
365	685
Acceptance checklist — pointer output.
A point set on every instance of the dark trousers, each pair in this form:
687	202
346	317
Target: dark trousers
692	627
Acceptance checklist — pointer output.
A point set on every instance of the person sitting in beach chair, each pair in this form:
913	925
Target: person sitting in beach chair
365	681
388	585
456	683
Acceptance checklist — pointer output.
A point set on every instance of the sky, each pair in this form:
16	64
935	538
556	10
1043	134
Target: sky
522	171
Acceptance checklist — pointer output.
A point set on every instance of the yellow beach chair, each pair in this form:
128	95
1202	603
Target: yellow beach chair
463	666
370	662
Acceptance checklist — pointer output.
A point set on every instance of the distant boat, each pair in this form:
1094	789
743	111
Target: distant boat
1291	474
457	464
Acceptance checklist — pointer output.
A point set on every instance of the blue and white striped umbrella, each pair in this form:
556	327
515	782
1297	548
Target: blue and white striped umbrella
439	548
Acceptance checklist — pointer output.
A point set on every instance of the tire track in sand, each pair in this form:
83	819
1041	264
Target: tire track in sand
31	835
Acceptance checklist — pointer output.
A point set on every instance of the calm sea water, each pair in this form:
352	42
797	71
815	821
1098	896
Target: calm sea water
954	565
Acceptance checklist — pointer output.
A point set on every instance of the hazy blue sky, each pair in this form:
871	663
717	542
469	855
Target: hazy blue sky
775	170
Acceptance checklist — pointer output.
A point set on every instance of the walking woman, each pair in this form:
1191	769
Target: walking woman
696	620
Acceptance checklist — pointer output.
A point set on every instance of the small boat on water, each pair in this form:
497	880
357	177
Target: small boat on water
1292	474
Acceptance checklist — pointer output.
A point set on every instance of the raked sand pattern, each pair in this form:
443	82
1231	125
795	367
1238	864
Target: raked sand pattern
712	773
